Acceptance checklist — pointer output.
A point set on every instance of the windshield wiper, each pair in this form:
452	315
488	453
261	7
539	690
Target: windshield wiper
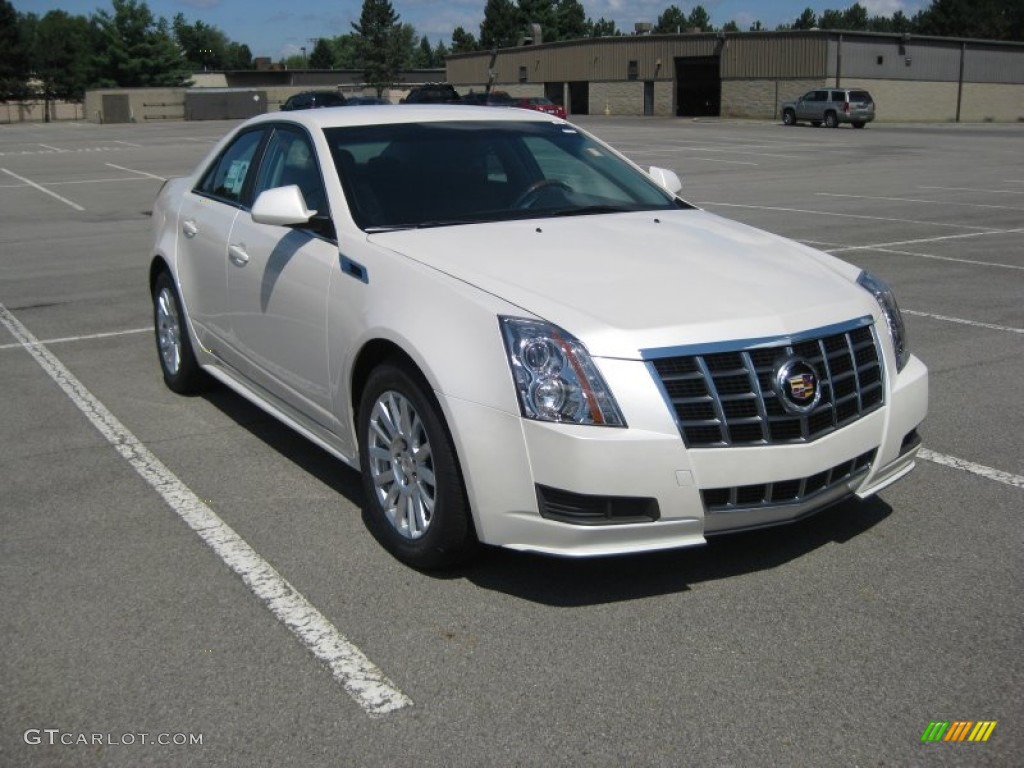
585	210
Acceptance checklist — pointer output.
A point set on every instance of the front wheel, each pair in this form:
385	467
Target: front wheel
416	503
182	373
789	117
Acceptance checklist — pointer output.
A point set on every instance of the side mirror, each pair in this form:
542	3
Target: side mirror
666	178
283	206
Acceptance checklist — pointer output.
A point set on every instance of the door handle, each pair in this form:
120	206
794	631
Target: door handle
238	255
189	228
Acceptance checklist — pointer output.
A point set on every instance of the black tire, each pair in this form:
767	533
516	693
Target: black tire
181	371
427	522
788	117
858	124
816	123
831	121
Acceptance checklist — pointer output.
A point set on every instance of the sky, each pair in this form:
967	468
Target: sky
278	29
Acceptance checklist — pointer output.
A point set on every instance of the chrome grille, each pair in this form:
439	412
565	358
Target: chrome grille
726	398
762	495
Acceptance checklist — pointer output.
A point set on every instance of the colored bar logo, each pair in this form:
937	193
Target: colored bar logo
959	730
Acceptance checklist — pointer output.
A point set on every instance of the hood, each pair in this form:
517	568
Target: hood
626	282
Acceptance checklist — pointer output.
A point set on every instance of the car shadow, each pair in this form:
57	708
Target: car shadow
572	582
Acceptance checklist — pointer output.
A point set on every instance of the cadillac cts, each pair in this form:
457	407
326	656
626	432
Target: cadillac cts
522	339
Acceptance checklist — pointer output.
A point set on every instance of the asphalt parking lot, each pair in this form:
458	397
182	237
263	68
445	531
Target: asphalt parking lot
835	641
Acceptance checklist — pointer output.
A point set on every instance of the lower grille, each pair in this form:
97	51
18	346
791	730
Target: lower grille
587	509
798	490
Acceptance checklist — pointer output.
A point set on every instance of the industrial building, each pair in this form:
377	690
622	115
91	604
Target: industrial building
750	74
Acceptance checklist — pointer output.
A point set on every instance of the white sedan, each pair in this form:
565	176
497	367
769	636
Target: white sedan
522	339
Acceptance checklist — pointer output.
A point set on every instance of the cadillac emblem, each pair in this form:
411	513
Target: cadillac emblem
797	385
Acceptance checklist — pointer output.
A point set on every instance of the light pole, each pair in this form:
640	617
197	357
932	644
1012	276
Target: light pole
303	49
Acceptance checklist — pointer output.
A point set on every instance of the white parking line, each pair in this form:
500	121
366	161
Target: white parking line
141	173
969	466
66	339
363	681
916	241
55	149
975	189
848	215
936	258
961	321
126	143
917	200
43	189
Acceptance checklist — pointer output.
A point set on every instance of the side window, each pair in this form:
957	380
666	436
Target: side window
290	159
225	179
839	96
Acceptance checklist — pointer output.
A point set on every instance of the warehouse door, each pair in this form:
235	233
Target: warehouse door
698	86
116	108
579	98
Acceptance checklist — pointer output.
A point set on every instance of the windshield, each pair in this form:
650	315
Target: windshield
398	176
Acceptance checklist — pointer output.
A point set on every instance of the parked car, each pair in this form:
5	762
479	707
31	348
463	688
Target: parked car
313	100
541	104
831	106
432	93
520	338
362	101
489	99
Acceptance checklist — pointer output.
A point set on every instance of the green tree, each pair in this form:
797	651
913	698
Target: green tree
500	27
440	54
14	53
731	26
61	55
424	54
601	28
238	56
540	12
203	46
463	41
133	49
322	56
806	20
571	20
380	40
672	20
699	19
346	51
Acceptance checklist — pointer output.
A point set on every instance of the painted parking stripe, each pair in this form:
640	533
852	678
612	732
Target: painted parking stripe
43	189
66	339
919	240
359	676
917	200
961	321
932	256
969	466
141	173
975	189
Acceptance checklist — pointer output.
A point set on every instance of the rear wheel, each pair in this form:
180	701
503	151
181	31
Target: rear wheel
858	124
831	121
178	362
416	503
789	117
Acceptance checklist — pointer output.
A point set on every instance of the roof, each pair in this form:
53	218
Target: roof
337	117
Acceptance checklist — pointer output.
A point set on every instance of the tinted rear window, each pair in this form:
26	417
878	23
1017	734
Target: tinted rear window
860	96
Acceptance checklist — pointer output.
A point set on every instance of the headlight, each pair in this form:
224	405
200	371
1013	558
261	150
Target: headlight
887	301
555	378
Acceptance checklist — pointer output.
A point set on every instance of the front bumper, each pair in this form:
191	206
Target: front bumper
505	459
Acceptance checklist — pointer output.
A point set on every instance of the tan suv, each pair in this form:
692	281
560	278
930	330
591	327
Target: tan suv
831	106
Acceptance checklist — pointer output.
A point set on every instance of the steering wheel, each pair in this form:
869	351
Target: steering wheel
529	197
